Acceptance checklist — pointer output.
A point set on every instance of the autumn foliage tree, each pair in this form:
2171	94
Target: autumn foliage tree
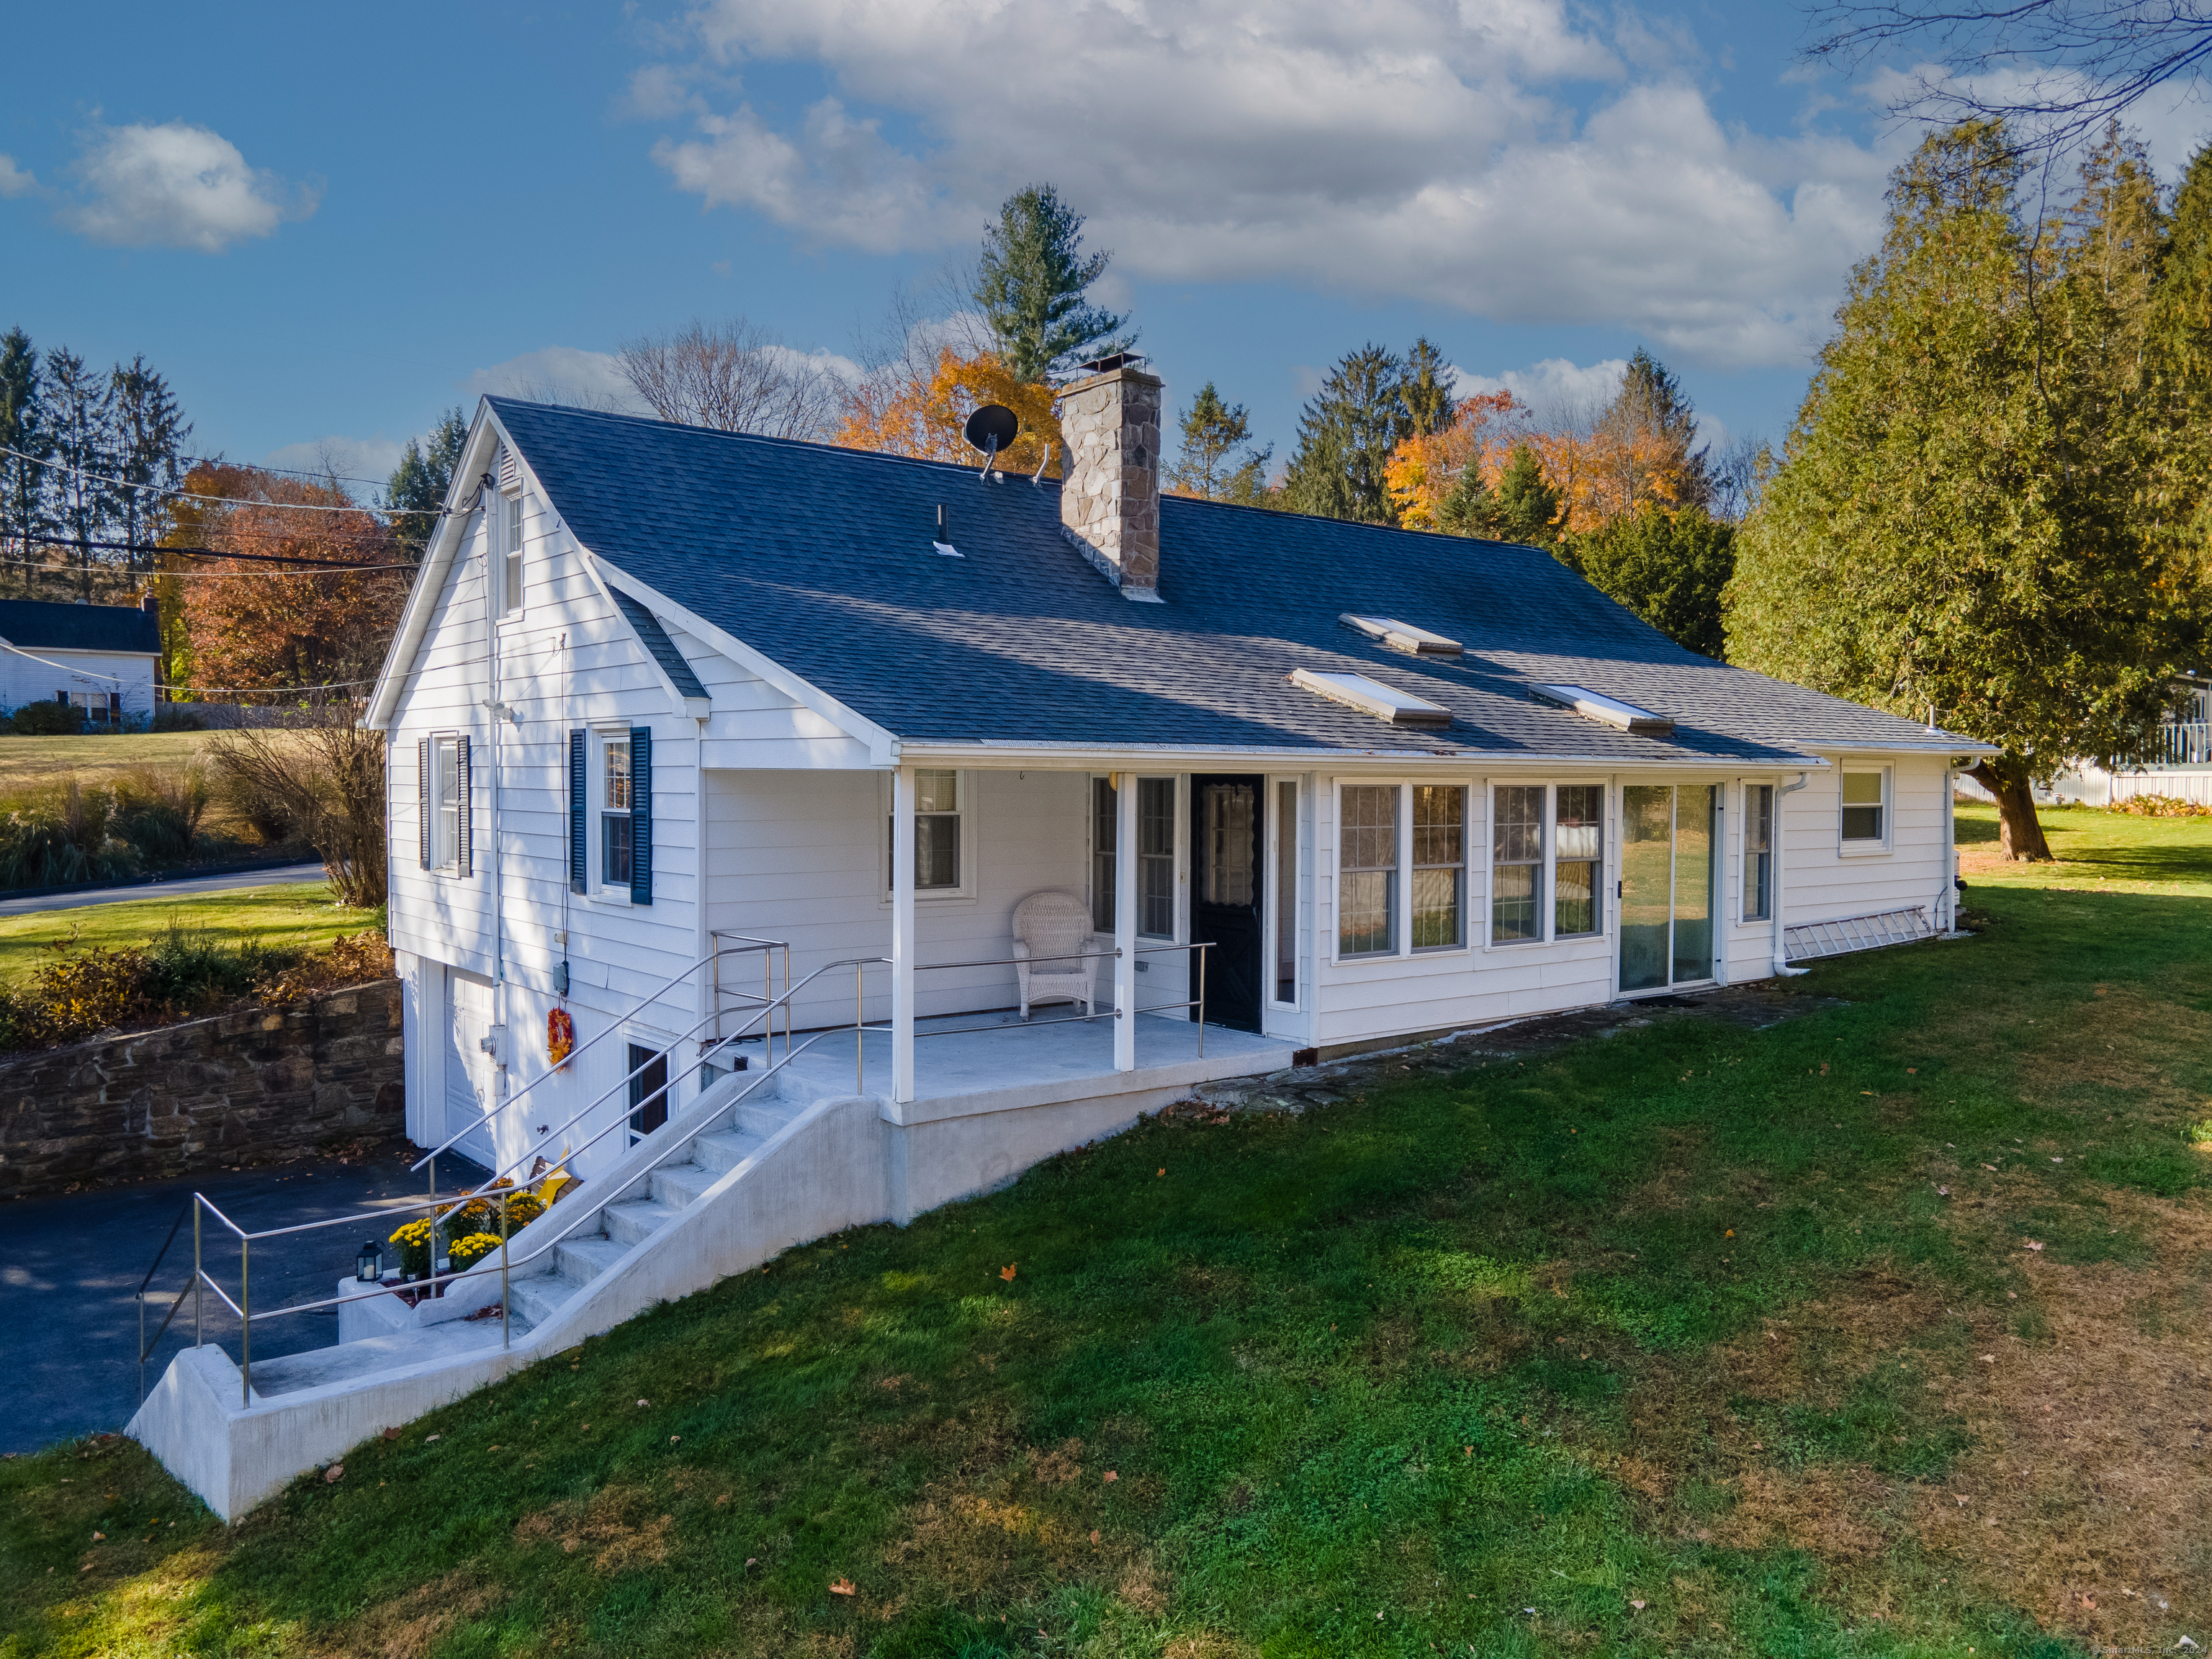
914	406
262	623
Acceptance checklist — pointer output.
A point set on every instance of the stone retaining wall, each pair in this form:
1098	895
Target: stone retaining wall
249	1087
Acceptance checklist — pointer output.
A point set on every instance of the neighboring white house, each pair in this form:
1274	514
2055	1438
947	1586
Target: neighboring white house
102	658
693	735
2179	766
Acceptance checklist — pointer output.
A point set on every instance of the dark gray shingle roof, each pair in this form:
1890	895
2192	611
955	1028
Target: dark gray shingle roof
654	638
820	558
36	625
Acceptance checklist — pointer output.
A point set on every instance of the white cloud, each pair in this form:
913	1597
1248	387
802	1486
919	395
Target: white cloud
360	464
1498	155
1552	387
558	374
177	185
15	180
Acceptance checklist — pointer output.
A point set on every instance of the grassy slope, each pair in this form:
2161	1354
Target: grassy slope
1679	1319
31	763
300	913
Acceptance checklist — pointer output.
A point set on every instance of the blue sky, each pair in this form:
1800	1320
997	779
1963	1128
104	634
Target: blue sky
326	225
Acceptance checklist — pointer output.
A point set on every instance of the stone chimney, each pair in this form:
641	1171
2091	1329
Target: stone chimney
1109	500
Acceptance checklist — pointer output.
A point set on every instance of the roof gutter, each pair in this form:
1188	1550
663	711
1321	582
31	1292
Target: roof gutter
969	753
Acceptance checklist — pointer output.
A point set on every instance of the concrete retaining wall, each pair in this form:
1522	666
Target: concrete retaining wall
251	1086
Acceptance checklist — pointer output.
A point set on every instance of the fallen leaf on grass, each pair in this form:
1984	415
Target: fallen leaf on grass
1163	1171
98	1536
675	1439
1942	1192
439	1437
336	1472
2035	1243
642	1402
1007	1271
1638	1605
1110	1475
391	1434
842	1587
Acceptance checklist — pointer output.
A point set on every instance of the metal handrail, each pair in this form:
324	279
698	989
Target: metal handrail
646	1001
766	1011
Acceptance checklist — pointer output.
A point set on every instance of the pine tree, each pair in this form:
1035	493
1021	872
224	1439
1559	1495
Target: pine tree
1209	466
1345	434
1645	440
23	430
419	484
1422	393
1032	282
1522	507
78	415
1670	568
149	431
1957	520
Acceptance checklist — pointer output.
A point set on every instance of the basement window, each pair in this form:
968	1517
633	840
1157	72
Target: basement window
1402	636
1385	702
1609	711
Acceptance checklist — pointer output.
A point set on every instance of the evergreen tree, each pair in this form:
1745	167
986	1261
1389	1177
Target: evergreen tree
1669	567
78	414
1522	508
1345	434
148	438
1958	519
1032	282
1209	466
1422	393
23	430
419	484
1645	438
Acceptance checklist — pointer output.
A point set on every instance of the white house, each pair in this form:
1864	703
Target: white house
102	658
736	752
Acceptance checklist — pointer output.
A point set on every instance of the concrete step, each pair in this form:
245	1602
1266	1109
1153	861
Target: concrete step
764	1117
725	1151
537	1299
583	1259
680	1184
637	1220
452	1340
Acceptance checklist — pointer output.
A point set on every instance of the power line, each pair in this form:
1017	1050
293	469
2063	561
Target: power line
218	501
162	685
140	578
196	552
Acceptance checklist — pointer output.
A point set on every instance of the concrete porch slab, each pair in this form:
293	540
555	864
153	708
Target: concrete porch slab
1011	1066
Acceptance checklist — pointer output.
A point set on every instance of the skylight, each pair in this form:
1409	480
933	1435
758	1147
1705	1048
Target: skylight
1402	636
1385	702
1609	711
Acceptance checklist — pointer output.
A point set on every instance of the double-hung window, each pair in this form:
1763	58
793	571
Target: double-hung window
446	826
1156	856
510	586
616	851
937	849
1367	873
1866	809
1439	867
1547	862
1758	852
1105	824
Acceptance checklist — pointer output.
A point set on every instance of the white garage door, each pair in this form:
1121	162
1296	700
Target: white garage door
468	1068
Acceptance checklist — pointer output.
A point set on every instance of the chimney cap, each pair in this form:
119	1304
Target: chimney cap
1117	360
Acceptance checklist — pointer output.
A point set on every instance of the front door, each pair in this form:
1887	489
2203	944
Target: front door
1666	884
468	1068
1225	868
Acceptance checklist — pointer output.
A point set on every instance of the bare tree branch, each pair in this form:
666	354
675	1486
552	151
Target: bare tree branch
733	376
2054	71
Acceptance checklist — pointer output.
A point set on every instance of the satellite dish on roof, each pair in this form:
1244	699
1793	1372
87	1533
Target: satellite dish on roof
992	427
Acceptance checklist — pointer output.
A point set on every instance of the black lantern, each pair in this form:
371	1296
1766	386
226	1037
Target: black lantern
369	1266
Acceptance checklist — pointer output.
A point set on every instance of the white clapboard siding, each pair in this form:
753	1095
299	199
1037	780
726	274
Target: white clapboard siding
799	856
1823	883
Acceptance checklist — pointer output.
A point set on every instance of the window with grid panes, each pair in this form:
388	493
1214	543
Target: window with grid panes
1758	852
614	814
1577	859
1367	871
1104	827
936	827
1516	864
1155	856
1439	866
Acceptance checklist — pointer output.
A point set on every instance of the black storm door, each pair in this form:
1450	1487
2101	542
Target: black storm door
1226	876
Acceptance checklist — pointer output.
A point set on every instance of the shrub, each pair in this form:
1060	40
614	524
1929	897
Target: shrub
169	717
47	719
326	775
158	809
2162	806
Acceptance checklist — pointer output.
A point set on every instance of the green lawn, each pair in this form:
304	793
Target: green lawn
300	913
1880	1331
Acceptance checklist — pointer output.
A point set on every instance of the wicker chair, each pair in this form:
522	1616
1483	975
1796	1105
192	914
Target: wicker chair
1051	932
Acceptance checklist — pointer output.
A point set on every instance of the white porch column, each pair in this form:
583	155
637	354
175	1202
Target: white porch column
1125	921
902	935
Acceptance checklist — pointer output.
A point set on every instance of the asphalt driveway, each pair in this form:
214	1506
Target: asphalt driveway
69	1267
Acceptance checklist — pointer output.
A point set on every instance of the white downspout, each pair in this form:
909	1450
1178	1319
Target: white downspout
495	532
1947	903
1781	968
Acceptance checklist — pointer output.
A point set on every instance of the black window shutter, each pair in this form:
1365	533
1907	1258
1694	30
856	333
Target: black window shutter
428	806
462	864
640	815
577	781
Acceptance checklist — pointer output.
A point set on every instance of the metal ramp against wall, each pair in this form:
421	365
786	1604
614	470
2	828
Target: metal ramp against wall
1813	939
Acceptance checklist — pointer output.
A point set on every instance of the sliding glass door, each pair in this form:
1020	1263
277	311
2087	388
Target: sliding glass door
1666	884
